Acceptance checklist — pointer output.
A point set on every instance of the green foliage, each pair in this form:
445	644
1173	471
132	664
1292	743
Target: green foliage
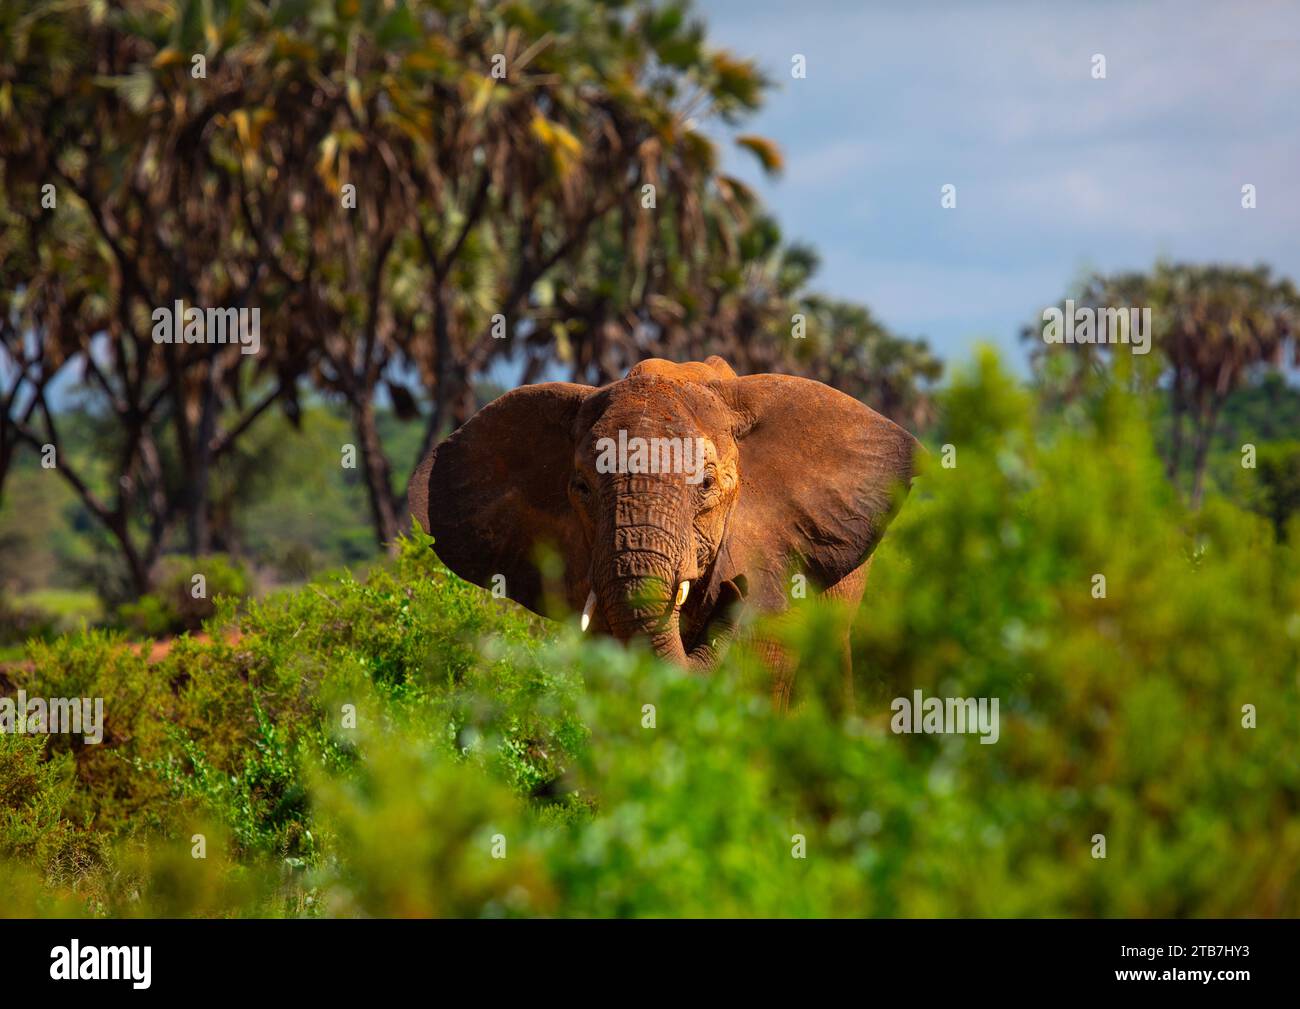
182	602
1126	711
33	792
1214	327
365	747
39	543
18	622
283	505
1279	480
44	614
289	502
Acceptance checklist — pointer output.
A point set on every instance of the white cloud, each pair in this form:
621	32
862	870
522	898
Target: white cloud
1053	168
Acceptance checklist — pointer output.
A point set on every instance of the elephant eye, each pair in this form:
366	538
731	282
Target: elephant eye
708	482
580	487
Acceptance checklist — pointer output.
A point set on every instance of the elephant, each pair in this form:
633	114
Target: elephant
775	476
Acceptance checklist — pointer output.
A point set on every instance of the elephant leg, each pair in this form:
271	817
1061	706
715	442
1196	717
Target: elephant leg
782	665
848	592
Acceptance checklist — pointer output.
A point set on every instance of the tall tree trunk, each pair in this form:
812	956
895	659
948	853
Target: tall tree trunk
377	473
441	372
1177	414
7	448
139	568
1208	420
1228	370
200	477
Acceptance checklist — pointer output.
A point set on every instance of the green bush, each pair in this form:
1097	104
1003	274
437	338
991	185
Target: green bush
1279	482
366	747
20	621
186	595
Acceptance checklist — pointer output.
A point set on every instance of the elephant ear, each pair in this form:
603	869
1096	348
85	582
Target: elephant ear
821	476
496	491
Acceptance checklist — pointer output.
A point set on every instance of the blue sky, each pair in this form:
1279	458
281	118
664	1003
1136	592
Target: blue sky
1056	173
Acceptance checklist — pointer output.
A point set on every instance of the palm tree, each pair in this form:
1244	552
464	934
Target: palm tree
1223	323
1213	325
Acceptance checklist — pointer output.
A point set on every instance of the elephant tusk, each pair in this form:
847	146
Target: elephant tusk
682	591
588	609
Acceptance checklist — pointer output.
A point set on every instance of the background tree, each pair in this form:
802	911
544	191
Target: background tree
106	112
415	196
849	348
1213	326
481	149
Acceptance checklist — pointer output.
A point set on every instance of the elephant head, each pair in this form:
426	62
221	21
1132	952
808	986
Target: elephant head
669	495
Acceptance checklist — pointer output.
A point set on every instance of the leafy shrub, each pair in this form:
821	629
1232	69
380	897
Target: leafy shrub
45	613
365	747
1279	480
33	792
20	621
181	603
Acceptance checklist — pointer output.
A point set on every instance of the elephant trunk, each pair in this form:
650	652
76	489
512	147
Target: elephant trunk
638	579
638	590
646	603
667	644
